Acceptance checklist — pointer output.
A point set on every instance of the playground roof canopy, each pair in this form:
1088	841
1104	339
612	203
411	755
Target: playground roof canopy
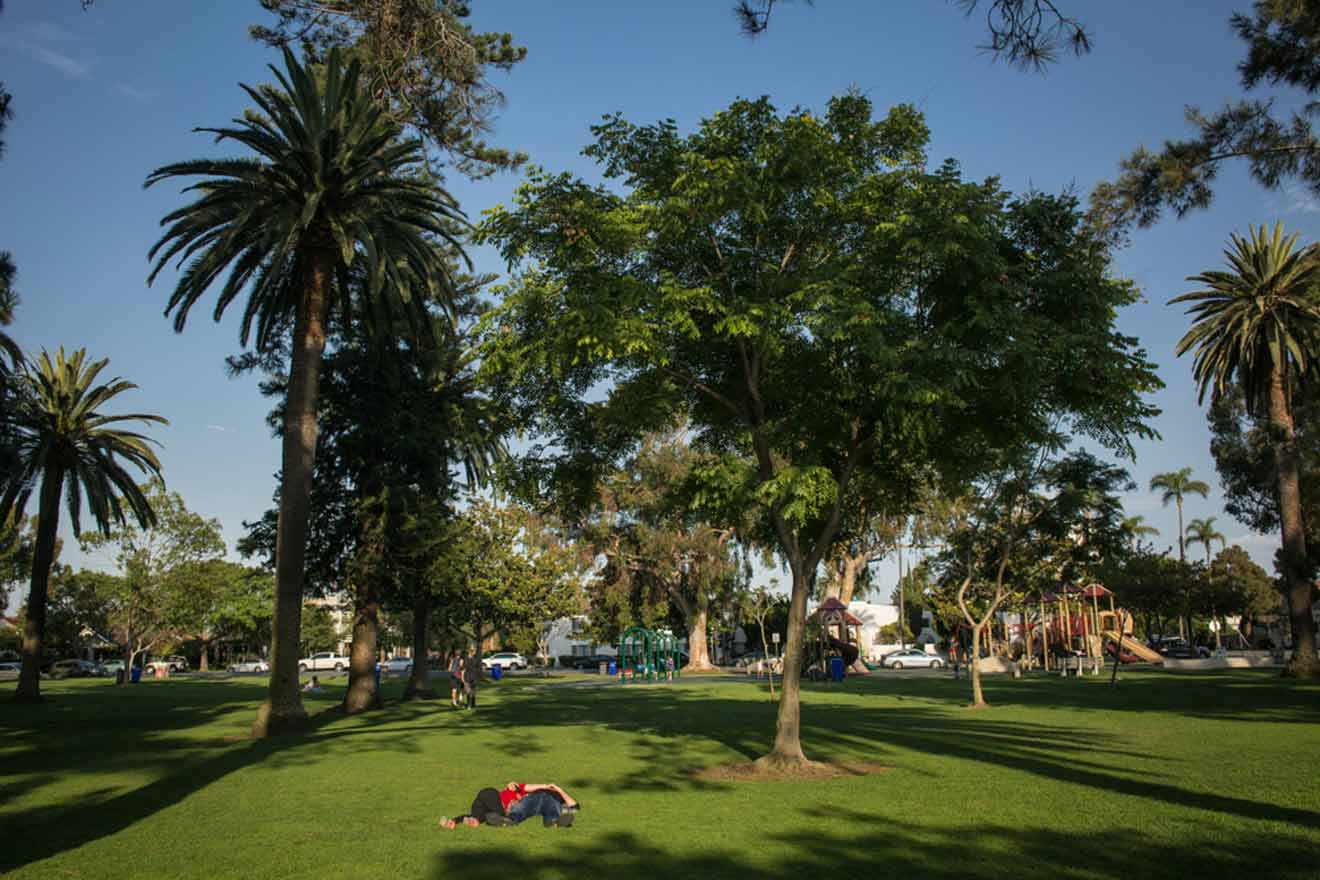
834	610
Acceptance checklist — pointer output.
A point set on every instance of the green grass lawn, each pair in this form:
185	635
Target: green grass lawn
1169	776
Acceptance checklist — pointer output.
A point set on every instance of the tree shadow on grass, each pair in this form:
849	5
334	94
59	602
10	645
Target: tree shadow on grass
837	843
838	730
186	765
671	729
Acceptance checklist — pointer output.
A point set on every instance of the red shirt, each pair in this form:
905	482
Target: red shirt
511	795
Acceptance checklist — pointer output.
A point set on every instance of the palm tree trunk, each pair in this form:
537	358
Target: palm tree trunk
787	750
43	554
283	710
1304	662
419	682
362	692
1182	542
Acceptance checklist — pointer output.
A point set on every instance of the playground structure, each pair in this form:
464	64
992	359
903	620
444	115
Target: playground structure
647	655
832	617
1072	626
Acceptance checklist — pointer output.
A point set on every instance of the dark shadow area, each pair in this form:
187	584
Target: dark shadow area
194	733
861	845
103	733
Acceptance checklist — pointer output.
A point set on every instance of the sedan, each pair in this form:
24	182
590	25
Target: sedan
911	658
250	666
397	666
75	669
9	671
506	660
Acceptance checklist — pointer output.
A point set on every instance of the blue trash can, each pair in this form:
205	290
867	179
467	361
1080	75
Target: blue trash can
836	669
613	668
496	671
377	676
137	674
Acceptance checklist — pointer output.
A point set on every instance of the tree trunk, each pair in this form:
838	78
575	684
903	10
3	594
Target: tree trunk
203	664
1182	543
698	647
978	696
851	565
283	709
787	750
419	682
362	692
1304	662
43	554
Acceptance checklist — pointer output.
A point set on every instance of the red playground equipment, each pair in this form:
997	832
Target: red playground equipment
1070	623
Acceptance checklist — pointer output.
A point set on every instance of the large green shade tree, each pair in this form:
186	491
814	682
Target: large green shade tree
1255	325
330	184
67	444
817	304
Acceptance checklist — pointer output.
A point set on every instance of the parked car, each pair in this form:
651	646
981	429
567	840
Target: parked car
506	660
911	658
174	663
323	661
76	669
9	671
250	666
1181	649
397	666
591	662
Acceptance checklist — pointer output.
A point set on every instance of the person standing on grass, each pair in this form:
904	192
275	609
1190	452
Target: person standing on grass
455	677
471	672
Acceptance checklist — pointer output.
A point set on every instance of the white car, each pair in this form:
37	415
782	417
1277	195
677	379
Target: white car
323	661
397	666
10	671
911	658
250	666
506	660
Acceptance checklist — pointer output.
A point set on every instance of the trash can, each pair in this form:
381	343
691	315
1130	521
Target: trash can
836	669
119	676
137	674
613	668
604	667
496	671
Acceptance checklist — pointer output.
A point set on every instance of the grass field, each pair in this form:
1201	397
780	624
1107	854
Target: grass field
1168	776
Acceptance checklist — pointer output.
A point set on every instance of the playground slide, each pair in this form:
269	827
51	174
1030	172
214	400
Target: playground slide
1132	646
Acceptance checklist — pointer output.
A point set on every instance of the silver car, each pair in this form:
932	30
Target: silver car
911	658
250	666
397	666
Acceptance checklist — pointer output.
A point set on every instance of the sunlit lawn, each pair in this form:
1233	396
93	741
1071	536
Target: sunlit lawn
1169	776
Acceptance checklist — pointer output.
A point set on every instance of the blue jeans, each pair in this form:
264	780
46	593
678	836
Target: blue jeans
538	803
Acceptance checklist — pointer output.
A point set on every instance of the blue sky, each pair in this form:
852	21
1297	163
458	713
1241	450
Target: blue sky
104	96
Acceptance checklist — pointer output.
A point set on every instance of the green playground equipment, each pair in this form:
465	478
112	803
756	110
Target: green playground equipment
647	655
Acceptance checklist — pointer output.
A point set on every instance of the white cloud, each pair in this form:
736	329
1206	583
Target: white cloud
38	42
1251	539
128	91
220	428
70	67
1293	198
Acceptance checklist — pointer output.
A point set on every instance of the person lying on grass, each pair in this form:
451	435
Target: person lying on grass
517	802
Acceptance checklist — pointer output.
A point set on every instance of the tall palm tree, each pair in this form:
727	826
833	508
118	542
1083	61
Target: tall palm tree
1136	528
1175	485
331	185
1257	325
66	442
1202	531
